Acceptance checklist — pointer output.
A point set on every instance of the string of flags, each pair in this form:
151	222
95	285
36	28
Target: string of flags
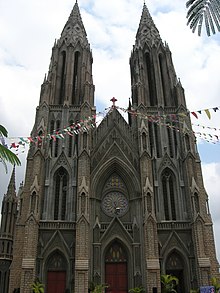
18	144
207	111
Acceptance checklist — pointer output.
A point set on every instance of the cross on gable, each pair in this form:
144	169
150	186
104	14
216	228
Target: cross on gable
113	100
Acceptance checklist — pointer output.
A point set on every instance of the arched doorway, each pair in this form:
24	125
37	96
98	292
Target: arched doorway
175	267
56	273
116	273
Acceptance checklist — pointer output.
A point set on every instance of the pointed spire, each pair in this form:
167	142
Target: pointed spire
147	31
11	186
74	29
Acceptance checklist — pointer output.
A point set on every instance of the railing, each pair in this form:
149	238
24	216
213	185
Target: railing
5	256
104	227
53	225
174	226
6	236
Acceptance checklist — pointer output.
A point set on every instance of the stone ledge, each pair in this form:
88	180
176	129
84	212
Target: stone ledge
28	263
82	264
204	262
153	264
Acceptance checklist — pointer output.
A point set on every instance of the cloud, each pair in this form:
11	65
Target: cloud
211	174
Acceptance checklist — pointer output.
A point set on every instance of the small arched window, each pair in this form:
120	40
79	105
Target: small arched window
70	147
187	142
144	141
85	140
196	201
149	203
57	139
33	201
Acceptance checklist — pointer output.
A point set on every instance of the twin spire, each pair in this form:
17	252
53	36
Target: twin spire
74	29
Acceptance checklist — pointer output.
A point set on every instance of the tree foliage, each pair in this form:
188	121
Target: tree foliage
215	283
137	290
203	12
169	282
37	287
5	154
99	288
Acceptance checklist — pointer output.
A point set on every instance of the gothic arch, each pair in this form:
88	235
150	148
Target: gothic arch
115	165
118	244
176	263
56	270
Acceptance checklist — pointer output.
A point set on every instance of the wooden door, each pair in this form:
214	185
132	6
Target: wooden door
116	277
56	282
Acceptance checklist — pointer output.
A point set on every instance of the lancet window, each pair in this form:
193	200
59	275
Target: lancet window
61	190
169	191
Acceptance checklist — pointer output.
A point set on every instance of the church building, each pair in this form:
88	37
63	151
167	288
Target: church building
118	203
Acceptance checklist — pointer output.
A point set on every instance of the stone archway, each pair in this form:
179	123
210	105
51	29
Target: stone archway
116	269
56	273
175	267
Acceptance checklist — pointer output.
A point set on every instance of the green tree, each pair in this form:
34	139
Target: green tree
215	283
203	12
5	154
99	288
37	287
169	282
137	290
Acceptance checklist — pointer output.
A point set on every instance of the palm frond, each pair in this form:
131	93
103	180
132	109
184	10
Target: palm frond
3	131
207	10
8	156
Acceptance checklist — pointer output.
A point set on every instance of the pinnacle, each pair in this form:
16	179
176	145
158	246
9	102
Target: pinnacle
11	185
147	31
74	28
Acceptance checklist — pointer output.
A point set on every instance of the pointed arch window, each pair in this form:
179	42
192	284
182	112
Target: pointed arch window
51	132
170	141
39	139
70	147
150	80
116	253
62	81
162	75
144	141
33	201
149	203
57	140
75	78
154	137
151	137
187	141
61	189
169	190
85	140
196	201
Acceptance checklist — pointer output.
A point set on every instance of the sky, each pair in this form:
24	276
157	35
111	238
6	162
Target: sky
28	29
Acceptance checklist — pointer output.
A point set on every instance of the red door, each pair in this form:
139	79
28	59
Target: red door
56	282
116	277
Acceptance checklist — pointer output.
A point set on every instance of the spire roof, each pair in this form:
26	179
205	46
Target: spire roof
11	186
74	29
147	31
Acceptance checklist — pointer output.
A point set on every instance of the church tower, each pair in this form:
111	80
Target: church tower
119	203
8	218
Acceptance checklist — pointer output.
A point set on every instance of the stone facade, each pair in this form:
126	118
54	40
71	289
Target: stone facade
119	203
